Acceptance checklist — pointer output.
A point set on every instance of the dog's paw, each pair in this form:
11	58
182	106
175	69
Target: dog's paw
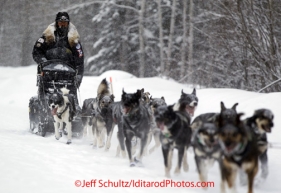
136	163
68	142
243	182
167	175
151	150
101	145
133	164
185	167
258	181
177	171
124	155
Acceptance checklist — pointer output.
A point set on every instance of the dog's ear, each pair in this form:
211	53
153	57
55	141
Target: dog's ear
150	97
142	90
123	92
138	94
215	119
219	120
234	106
238	118
171	107
195	126
112	97
163	98
222	106
194	92
182	92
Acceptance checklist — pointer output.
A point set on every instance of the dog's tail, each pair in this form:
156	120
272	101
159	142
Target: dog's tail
103	88
64	91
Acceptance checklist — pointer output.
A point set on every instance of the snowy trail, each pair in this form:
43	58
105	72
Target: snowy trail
32	164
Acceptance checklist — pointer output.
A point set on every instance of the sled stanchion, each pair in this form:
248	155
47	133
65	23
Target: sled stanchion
111	85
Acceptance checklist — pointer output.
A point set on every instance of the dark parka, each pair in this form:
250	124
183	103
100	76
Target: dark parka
52	46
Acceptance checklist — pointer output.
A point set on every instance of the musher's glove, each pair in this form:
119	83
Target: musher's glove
41	65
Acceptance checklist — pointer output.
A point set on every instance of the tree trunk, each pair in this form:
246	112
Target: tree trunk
162	64
183	46
190	42
172	29
272	43
141	39
25	54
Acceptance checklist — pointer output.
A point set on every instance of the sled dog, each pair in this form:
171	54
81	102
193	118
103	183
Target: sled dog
136	123
61	104
175	133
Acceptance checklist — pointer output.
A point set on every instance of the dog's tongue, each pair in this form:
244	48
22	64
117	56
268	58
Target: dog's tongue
161	126
126	110
190	110
54	111
267	129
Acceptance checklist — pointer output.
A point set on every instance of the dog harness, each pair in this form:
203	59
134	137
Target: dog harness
60	114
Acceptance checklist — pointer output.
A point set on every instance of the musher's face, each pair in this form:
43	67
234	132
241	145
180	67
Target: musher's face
62	24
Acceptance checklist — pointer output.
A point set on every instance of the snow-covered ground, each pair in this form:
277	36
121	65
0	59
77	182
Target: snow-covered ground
29	163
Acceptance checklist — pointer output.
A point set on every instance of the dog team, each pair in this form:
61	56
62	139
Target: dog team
238	145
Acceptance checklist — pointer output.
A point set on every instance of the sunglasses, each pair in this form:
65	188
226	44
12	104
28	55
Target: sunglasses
62	23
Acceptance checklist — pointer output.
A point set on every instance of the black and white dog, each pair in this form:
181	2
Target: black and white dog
61	105
175	133
136	123
187	102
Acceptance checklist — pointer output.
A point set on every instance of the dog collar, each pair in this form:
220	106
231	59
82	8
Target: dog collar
200	141
167	135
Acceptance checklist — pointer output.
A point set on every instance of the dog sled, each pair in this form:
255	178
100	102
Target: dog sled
55	74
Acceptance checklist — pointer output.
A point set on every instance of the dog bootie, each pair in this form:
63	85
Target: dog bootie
136	162
68	142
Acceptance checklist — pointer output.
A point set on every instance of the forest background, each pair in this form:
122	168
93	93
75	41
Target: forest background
207	43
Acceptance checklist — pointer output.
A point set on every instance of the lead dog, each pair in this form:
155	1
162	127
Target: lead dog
205	139
175	133
260	123
240	150
136	120
61	105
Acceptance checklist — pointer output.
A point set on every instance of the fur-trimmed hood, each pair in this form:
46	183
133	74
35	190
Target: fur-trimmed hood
73	35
